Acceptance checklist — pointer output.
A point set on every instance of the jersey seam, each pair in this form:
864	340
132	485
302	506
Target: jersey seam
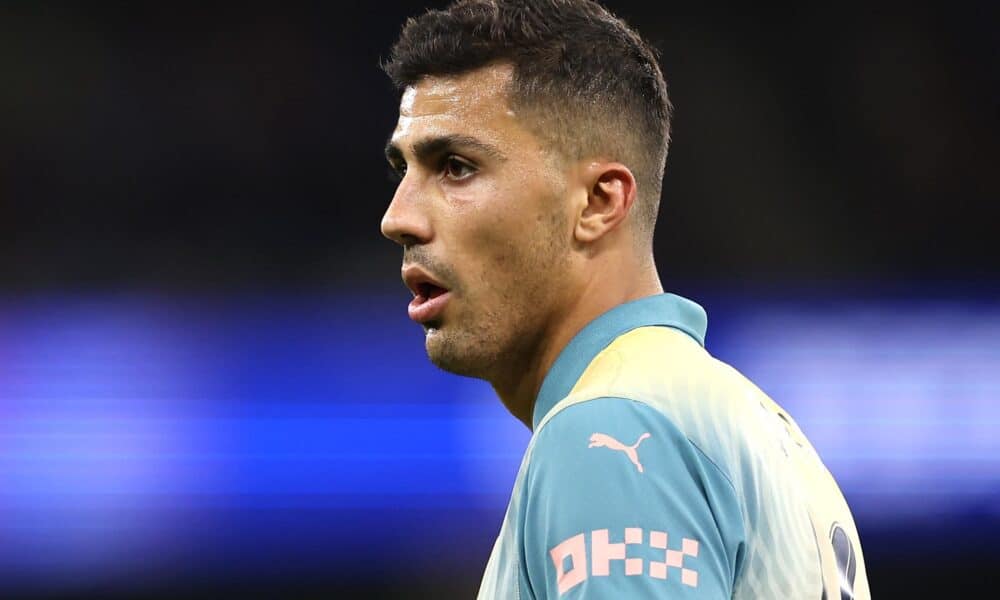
694	445
736	495
689	440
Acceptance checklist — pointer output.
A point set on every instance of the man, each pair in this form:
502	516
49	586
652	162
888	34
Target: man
530	145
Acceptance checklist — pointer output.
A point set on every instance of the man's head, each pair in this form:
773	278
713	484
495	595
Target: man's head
531	142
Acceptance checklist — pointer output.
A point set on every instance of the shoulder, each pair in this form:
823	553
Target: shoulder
718	417
621	446
708	402
614	475
620	424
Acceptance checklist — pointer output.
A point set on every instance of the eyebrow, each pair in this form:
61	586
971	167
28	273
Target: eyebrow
433	146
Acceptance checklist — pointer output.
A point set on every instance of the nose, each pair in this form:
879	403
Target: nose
406	221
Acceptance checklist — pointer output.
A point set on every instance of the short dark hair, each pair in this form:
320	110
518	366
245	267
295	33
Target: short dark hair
594	84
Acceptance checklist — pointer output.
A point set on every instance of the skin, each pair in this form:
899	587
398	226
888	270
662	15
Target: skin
531	244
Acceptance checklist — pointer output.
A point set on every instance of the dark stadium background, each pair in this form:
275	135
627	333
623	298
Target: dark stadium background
208	385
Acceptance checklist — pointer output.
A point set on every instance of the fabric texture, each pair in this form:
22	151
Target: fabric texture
657	471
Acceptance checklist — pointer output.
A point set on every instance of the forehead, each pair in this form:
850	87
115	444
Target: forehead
473	103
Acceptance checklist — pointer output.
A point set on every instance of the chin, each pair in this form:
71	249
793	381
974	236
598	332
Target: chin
443	354
447	354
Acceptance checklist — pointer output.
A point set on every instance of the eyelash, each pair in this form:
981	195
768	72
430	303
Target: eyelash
451	160
396	173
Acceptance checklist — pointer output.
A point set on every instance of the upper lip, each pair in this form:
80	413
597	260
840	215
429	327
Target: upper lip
416	278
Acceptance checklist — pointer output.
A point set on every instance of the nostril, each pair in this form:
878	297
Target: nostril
407	240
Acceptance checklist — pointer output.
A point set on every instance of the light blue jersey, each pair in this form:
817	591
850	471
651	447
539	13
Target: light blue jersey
657	471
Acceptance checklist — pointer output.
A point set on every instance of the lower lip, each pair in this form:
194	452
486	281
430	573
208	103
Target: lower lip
423	309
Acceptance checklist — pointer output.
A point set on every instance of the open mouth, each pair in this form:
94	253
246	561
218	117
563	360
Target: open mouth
429	301
429	298
429	291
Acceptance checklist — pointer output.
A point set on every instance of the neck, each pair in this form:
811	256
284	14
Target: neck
518	386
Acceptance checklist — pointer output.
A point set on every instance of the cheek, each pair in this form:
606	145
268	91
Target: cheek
504	240
487	260
518	259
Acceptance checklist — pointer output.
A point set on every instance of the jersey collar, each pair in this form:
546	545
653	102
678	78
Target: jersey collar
665	310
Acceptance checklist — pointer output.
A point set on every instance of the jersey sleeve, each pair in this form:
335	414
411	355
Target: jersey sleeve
619	504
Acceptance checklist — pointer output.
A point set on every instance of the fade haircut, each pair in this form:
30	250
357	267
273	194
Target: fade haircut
587	82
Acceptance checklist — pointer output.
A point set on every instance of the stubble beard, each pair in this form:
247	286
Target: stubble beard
489	342
467	348
492	343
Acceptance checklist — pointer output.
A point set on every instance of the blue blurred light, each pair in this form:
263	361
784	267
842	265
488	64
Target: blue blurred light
137	432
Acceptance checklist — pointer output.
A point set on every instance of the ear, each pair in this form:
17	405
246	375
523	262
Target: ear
611	194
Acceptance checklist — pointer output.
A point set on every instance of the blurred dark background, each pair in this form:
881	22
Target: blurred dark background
190	262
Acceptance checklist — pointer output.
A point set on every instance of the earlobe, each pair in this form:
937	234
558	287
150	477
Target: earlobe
611	194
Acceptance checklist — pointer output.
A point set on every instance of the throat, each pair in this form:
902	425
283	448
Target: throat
519	393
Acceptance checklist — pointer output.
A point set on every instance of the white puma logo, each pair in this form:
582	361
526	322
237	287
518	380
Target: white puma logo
602	439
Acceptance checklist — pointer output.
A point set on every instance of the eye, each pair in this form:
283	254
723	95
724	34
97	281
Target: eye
397	172
457	169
